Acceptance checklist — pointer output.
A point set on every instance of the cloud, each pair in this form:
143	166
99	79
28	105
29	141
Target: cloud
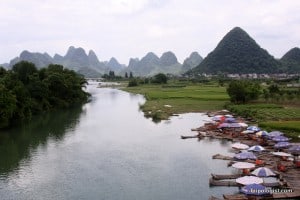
131	28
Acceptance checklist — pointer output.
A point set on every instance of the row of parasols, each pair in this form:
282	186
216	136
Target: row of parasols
282	142
253	184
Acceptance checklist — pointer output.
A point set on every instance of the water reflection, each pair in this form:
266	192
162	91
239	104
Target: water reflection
18	143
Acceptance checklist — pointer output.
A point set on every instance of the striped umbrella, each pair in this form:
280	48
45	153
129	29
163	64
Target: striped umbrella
295	149
245	155
253	128
255	189
256	148
263	172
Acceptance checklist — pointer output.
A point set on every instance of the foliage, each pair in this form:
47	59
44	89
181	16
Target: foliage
25	90
241	91
133	83
160	78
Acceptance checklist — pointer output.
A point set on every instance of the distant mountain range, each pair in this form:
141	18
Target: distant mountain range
236	53
90	66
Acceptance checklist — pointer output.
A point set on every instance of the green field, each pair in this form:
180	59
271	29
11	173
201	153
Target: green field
166	100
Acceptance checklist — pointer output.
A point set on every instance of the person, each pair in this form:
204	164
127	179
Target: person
246	171
281	167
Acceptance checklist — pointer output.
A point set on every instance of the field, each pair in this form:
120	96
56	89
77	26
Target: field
166	100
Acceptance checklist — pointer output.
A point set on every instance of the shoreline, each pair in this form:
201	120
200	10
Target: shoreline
288	179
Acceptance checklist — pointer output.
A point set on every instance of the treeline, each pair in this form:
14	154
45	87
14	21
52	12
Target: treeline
244	91
26	90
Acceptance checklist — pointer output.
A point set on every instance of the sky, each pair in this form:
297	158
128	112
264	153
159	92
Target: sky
127	29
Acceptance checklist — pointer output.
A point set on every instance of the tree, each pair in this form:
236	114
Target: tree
7	105
126	75
243	91
160	78
130	75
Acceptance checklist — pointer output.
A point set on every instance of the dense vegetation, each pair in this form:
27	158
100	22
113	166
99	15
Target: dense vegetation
25	90
291	61
237	53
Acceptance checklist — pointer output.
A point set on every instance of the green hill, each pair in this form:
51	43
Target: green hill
291	61
237	52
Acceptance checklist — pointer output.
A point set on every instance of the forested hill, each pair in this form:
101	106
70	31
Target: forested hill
26	90
237	52
291	60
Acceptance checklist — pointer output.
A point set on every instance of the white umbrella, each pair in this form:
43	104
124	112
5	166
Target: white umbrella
257	148
282	154
239	146
246	180
243	165
242	124
263	172
248	132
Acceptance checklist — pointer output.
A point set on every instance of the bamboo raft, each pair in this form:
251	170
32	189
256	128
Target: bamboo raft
229	183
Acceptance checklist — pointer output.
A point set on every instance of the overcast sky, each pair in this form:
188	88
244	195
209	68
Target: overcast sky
131	28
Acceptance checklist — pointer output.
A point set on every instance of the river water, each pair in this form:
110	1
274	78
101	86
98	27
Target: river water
107	150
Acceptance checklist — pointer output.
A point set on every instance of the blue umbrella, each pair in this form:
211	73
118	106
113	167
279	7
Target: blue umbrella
230	125
263	172
230	120
253	128
282	145
245	155
280	138
255	189
256	148
294	150
275	133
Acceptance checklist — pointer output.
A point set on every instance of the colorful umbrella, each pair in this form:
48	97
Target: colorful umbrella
253	128
280	138
218	118
243	165
280	145
256	148
263	172
230	120
255	189
246	180
275	133
295	149
245	155
262	133
239	146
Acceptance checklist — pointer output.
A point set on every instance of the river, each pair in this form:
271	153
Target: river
106	149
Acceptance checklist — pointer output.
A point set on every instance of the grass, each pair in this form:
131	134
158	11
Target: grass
173	98
166	100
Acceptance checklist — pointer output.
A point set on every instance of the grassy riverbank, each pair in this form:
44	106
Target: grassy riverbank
175	98
166	100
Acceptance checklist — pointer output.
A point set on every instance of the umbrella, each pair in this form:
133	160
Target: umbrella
242	124
257	148
262	133
294	150
253	128
229	125
243	165
263	172
245	155
218	118
282	154
275	133
239	146
255	189
228	116
246	180
248	132
230	120
280	138
282	145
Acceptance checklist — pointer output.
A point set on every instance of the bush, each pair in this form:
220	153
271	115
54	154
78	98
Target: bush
133	83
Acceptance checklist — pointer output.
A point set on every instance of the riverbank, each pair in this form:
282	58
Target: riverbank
286	176
166	100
